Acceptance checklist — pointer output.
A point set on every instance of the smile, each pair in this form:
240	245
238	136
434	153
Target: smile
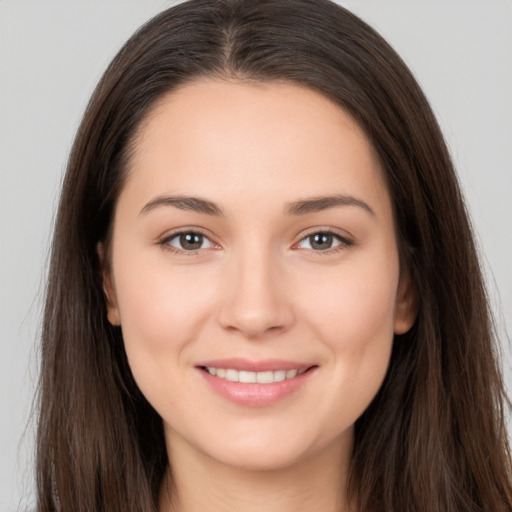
255	383
248	377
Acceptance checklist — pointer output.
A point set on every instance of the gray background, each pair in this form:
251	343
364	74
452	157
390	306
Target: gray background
52	53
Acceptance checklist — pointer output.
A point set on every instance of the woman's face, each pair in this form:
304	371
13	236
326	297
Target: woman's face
254	240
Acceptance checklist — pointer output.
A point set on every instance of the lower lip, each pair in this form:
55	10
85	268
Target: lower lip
256	395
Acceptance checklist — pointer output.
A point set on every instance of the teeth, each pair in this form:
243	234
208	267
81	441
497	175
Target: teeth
232	375
265	377
246	377
279	375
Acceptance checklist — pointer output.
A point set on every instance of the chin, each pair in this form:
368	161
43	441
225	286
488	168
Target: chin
273	453
267	458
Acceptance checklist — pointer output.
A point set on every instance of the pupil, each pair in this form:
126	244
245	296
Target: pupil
191	241
321	241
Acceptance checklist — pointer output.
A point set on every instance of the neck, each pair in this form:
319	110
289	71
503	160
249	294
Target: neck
198	483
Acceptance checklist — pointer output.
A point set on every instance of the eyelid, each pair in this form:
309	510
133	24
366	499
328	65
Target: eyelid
345	240
164	240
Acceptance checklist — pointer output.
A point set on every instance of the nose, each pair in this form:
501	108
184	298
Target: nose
255	298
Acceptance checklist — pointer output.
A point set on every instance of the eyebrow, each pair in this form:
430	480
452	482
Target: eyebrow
302	207
317	204
195	204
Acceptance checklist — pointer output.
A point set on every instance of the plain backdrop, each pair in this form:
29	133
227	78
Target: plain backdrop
53	52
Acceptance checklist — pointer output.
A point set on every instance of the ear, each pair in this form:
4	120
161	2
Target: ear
108	287
406	305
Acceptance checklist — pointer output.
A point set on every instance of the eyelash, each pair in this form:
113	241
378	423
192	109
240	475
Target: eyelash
344	243
165	242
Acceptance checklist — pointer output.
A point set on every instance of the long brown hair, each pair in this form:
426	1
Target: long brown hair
434	438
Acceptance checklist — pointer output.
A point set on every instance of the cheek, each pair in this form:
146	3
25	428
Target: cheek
161	308
353	302
353	314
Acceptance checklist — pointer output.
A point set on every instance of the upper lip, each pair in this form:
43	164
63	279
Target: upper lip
247	365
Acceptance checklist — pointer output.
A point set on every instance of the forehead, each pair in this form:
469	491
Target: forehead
216	137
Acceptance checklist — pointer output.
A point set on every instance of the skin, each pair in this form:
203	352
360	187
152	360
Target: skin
256	288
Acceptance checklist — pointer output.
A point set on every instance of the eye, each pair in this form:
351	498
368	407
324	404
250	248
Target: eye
188	241
323	241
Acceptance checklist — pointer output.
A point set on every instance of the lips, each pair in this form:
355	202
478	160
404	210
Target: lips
255	383
255	366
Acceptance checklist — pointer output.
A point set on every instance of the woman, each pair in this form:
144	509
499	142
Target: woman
264	292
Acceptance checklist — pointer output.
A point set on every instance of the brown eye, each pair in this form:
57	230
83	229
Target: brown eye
323	241
189	241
